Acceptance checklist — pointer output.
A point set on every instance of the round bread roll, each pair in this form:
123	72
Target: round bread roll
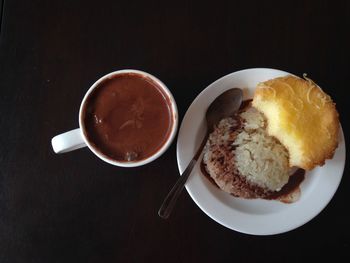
301	116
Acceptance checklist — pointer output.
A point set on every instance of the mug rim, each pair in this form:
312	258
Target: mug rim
155	155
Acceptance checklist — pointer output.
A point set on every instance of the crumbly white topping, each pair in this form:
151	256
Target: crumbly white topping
258	157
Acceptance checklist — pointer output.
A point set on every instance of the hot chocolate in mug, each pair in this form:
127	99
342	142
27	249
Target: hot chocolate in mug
127	118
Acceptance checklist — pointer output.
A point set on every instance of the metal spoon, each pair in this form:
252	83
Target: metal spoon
223	106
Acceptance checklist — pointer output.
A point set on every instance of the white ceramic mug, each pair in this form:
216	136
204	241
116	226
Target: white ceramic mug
76	139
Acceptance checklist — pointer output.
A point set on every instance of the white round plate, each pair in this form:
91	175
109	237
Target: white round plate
256	216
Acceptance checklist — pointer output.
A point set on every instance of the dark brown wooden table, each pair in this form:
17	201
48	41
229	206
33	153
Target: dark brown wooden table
75	208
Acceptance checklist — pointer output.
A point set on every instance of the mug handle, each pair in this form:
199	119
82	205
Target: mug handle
68	141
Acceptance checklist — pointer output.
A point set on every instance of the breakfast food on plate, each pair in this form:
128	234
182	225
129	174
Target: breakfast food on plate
243	159
290	123
302	117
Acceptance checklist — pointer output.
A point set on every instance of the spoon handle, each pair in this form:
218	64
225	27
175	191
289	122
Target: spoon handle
170	200
173	195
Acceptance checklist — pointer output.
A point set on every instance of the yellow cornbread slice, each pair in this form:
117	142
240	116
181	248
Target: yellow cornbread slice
301	116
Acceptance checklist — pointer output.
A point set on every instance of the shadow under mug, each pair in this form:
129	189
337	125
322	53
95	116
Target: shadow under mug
76	139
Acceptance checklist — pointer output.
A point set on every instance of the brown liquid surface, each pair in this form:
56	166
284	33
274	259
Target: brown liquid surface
127	117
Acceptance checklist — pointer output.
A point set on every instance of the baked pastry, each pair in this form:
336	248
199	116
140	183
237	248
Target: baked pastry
243	159
301	116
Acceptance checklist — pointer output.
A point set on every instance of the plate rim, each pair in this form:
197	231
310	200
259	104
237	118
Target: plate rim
220	221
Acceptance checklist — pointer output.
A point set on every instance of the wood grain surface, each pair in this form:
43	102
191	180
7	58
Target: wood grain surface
1	10
75	208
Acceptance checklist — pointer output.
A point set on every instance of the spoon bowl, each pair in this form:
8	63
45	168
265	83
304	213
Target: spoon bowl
223	106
